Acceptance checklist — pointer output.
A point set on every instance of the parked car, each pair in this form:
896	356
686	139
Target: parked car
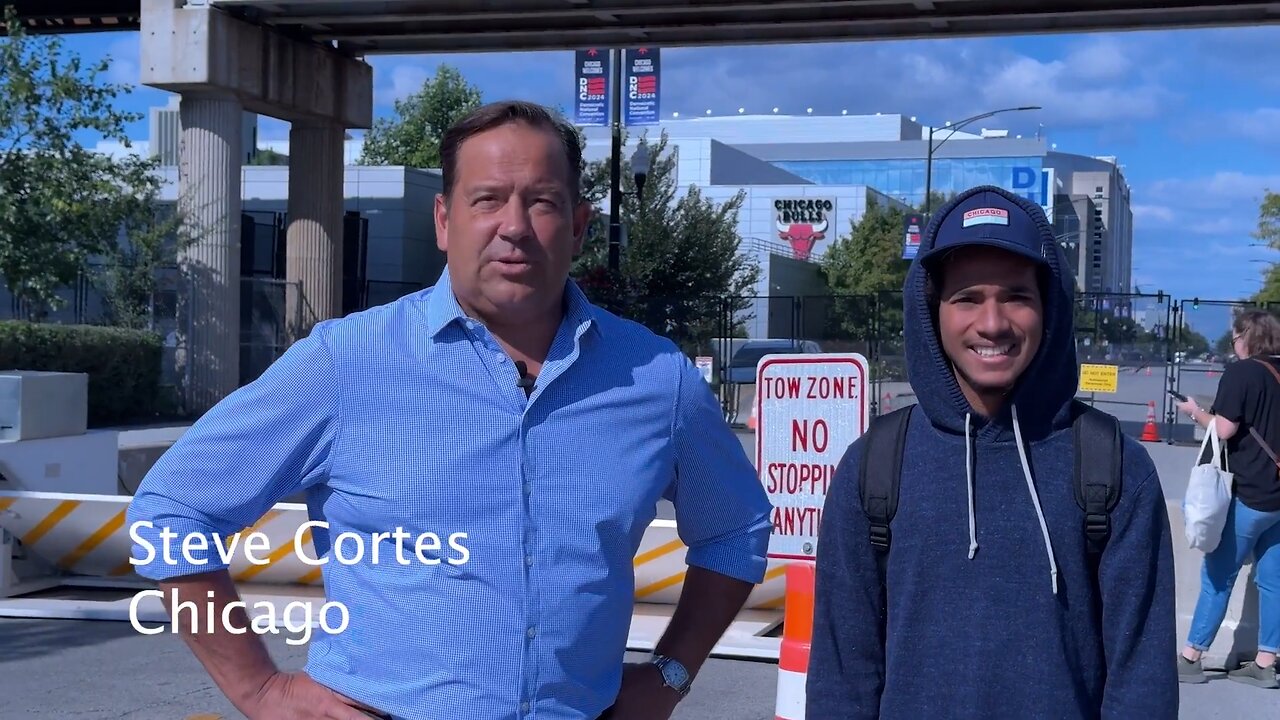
742	367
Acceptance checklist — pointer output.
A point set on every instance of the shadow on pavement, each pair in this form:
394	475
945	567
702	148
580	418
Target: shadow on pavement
25	638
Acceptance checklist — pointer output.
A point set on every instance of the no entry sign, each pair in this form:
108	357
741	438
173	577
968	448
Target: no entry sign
809	409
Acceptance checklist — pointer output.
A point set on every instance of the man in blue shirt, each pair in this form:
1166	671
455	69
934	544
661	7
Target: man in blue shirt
500	404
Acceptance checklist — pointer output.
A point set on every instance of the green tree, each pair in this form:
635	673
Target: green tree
681	274
1269	232
61	204
412	137
266	156
868	259
1225	344
865	271
153	237
1192	341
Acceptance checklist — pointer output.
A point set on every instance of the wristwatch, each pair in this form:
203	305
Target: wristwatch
674	674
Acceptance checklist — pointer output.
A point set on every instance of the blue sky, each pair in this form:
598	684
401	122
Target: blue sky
1191	115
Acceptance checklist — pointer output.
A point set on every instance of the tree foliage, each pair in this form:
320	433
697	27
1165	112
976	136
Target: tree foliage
681	274
412	136
865	271
1269	232
61	204
129	278
868	259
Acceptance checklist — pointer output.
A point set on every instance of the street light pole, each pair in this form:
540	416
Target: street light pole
615	165
928	162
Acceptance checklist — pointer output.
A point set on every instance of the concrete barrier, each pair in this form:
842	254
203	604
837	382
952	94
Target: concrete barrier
86	535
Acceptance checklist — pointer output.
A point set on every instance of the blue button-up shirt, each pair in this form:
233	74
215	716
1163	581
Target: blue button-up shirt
409	415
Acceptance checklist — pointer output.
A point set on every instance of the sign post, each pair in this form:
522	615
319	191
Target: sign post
809	409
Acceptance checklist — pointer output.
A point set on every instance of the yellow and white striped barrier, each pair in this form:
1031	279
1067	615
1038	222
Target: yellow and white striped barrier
86	535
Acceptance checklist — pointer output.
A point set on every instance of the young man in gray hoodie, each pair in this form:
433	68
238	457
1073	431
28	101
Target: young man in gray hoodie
993	606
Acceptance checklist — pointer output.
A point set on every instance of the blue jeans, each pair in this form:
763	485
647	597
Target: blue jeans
1247	532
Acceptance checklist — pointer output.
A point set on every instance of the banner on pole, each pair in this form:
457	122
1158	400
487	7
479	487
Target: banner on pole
912	231
591	97
641	95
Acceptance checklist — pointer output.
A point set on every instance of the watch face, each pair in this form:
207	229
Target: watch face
675	674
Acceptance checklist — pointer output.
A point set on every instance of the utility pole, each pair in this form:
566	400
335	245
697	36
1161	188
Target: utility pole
615	164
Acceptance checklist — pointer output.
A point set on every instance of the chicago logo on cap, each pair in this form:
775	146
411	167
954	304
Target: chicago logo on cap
986	216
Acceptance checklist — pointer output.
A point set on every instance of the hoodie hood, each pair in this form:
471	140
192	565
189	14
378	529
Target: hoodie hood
1042	397
1040	402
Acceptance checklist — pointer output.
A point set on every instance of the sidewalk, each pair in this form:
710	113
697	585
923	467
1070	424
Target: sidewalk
54	669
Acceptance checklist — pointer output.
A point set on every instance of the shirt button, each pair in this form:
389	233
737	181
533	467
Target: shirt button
531	632
528	559
528	487
524	707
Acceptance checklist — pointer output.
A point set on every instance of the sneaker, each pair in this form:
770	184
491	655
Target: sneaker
1190	672
1250	674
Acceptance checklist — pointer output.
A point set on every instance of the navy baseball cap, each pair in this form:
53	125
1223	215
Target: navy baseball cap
989	216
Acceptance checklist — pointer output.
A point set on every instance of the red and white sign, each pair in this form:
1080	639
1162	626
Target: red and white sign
809	409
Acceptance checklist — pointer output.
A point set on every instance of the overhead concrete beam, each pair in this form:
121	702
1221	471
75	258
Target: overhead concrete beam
202	49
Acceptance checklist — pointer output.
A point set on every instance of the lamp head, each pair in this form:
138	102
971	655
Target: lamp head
640	166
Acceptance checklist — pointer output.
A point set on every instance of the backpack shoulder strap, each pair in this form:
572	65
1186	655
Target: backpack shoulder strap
1099	471
881	466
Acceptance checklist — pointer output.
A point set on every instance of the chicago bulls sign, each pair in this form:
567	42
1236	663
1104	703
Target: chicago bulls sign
802	222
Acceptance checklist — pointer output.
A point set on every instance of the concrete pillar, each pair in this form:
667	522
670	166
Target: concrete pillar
209	166
314	249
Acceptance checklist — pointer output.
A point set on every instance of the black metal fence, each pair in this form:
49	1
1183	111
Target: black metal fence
1140	345
1132	348
268	308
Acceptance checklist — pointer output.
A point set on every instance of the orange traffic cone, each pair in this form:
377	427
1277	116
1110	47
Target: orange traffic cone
751	421
1149	432
797	638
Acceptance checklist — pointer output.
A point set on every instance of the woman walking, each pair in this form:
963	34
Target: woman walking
1246	412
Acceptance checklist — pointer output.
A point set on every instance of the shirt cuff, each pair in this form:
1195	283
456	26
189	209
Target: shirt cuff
743	556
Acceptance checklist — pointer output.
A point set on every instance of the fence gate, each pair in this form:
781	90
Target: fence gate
1125	336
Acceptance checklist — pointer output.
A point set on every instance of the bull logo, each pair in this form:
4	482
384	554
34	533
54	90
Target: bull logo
802	236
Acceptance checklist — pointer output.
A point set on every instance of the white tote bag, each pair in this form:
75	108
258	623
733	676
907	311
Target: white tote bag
1208	496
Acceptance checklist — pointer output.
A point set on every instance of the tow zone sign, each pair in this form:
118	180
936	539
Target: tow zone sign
809	409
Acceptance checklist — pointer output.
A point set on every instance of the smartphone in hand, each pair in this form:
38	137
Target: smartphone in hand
1178	396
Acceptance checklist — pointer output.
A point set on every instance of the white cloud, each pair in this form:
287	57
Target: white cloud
402	81
123	68
1097	59
1207	250
1152	214
1219	191
1260	125
1099	82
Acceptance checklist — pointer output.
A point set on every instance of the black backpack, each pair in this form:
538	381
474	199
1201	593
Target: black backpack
1098	477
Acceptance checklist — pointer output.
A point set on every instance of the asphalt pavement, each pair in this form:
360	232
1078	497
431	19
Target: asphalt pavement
58	669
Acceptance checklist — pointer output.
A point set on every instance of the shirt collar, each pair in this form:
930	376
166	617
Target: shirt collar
443	308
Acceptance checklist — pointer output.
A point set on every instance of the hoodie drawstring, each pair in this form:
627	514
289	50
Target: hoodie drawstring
968	466
1035	498
1031	487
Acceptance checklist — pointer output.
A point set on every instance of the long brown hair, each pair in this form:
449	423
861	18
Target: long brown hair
1260	330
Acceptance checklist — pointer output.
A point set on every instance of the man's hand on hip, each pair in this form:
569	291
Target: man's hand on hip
295	696
643	695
